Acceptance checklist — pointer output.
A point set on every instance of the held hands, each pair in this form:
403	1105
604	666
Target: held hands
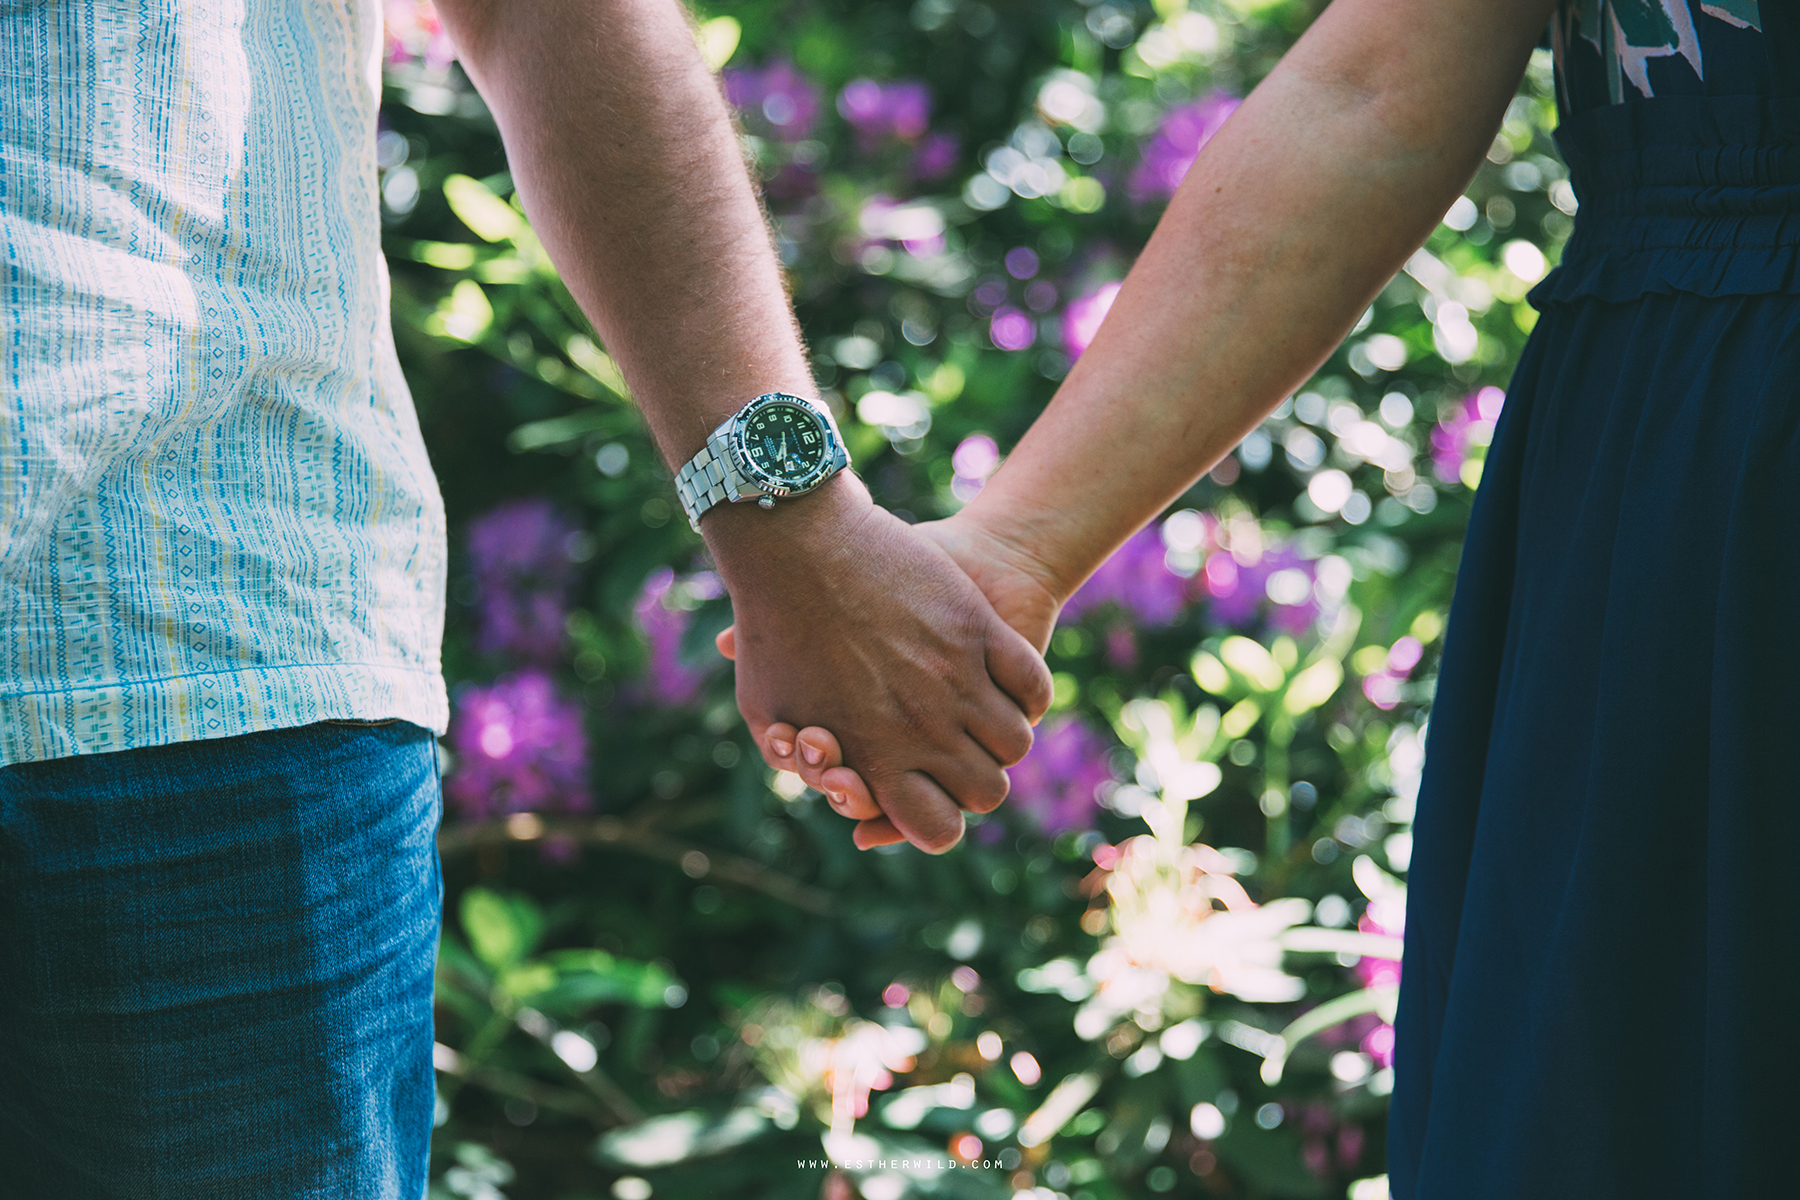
1018	591
851	618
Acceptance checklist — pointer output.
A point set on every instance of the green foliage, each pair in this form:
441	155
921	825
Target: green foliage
704	984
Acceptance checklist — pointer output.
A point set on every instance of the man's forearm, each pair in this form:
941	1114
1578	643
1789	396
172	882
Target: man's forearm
1292	219
624	155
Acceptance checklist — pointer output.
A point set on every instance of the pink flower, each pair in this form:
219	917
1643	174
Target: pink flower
1011	329
1169	154
976	458
1379	1045
415	34
1472	425
1383	687
1379	972
1021	262
1081	320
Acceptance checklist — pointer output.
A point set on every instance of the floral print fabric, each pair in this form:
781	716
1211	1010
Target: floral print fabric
1615	51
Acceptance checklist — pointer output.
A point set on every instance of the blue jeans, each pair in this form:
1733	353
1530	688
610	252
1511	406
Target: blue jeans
216	968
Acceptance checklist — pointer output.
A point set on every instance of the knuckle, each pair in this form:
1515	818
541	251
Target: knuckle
911	711
1014	743
986	793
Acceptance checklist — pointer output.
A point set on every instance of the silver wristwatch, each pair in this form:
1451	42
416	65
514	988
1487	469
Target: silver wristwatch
776	445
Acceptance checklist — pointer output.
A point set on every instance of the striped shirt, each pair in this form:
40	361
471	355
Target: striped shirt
216	511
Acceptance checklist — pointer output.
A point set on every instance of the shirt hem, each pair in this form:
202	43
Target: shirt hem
133	714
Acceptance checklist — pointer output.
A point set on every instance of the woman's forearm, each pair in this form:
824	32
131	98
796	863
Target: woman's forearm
1294	216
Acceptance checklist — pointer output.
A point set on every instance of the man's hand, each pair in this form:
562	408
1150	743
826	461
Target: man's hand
1020	594
846	616
627	163
1022	589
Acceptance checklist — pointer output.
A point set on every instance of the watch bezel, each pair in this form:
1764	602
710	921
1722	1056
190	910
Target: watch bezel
768	482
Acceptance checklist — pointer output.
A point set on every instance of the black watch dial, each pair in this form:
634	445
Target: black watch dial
785	441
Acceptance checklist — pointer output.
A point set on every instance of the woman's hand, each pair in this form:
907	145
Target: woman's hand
1020	586
814	751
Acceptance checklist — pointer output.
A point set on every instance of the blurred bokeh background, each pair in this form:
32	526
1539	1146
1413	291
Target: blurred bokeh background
1168	963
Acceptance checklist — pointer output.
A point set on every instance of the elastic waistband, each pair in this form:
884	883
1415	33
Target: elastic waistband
1682	193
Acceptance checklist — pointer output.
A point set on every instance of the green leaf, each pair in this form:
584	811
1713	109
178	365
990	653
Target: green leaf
522	983
1211	674
557	431
464	314
502	930
1313	686
1645	23
1746	14
490	217
1269	1159
1333	1012
596	977
448	256
661	1141
718	40
1254	662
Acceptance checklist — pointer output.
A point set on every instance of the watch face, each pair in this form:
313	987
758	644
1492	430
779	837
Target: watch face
785	442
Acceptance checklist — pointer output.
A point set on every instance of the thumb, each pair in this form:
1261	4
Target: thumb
727	642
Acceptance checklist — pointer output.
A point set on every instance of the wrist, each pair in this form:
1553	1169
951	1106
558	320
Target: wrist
1014	545
746	540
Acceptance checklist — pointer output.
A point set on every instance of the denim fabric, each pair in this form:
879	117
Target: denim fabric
216	968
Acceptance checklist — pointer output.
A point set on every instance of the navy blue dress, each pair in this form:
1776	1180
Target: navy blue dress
1601	996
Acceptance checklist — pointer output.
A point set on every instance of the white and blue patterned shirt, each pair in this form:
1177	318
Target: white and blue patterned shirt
216	511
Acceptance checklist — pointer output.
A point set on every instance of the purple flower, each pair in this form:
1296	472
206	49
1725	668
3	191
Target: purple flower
520	747
779	94
1058	782
1171	151
519	555
1011	329
1121	648
669	682
936	156
791	182
1472	425
900	109
1081	320
1021	262
1239	590
1137	579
